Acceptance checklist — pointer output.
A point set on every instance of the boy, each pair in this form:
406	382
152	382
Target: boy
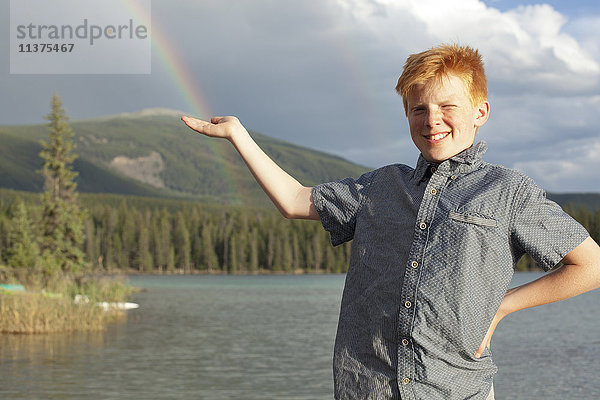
435	246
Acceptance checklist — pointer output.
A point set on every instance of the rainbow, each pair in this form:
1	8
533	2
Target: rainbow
166	51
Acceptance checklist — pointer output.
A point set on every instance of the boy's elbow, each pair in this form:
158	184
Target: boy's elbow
289	213
299	206
299	213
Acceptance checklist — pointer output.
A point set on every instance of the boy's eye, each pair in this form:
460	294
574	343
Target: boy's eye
418	110
449	106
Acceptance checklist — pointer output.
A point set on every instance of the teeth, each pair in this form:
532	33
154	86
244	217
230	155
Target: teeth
438	136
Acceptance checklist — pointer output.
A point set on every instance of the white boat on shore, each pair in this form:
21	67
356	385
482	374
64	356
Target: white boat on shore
118	306
107	305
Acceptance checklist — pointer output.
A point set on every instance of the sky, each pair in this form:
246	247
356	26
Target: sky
322	73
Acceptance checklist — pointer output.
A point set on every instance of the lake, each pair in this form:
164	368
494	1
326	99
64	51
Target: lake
271	337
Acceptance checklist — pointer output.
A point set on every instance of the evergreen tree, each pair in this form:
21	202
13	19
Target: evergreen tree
270	251
62	217
91	250
286	254
253	257
233	254
296	255
128	228
162	240
109	223
171	259
209	256
143	257
242	250
317	252
330	260
181	238
23	251
119	260
196	258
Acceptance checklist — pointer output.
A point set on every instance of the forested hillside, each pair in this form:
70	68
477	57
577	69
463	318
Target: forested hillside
155	154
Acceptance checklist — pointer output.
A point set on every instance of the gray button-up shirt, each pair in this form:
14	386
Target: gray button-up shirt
433	254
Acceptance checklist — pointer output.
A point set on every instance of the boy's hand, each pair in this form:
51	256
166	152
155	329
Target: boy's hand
579	273
502	312
221	127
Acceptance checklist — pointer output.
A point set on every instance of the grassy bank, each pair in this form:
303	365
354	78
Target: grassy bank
33	312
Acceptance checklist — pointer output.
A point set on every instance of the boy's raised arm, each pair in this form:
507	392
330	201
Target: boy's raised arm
291	198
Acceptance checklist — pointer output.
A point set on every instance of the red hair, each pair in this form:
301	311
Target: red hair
462	61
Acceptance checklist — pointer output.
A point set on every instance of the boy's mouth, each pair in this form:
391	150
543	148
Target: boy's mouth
437	137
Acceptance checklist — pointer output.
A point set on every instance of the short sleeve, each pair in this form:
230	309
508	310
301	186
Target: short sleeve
338	204
542	229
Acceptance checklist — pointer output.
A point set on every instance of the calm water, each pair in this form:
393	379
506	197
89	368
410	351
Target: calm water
271	337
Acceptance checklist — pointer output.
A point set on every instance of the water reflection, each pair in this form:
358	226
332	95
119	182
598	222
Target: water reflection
43	349
271	337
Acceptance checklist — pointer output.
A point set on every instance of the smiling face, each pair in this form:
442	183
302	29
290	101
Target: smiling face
442	120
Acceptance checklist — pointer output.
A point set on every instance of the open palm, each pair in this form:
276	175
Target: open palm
223	127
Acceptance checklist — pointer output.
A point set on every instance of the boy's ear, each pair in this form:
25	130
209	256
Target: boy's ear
482	113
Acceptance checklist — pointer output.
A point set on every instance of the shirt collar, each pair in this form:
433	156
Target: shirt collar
465	161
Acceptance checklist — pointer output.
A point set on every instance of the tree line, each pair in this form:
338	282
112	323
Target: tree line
164	236
190	238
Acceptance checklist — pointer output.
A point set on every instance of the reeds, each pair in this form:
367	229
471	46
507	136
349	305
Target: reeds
39	312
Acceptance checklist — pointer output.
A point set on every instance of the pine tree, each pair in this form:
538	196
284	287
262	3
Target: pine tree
107	250
171	259
330	260
270	251
232	267
62	217
143	256
210	260
181	237
286	253
253	257
296	261
317	252
91	251
128	227
24	251
162	239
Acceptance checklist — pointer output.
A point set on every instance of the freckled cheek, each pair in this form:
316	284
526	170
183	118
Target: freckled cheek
415	125
415	130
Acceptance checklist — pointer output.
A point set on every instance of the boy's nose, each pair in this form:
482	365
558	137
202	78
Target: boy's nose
434	117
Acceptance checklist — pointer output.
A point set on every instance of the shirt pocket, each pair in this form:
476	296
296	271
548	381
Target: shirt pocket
473	219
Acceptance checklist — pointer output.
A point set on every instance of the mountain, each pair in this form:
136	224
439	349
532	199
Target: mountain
152	153
590	201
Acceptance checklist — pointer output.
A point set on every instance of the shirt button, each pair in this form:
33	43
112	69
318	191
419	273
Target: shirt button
433	169
453	177
414	264
407	304
404	342
423	225
406	381
433	191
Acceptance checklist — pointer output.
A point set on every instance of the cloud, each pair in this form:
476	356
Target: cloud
543	72
578	160
321	73
526	48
